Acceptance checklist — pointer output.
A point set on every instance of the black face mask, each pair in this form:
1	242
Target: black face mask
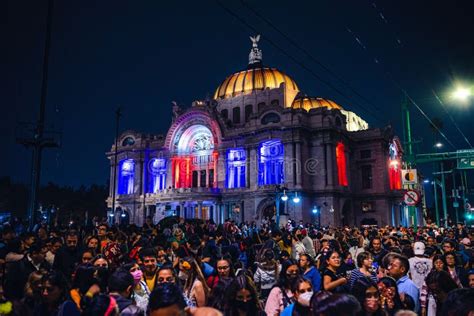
243	306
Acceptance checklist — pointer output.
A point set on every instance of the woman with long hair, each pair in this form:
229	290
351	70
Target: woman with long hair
458	274
266	275
439	283
302	293
141	293
242	297
333	280
281	295
368	295
224	269
54	297
194	284
389	296
427	300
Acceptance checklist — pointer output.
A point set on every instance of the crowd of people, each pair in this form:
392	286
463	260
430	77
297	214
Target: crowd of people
196	267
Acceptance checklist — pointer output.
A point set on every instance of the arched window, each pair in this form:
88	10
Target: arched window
126	177
225	114
236	115
157	175
248	111
128	141
270	118
341	164
271	163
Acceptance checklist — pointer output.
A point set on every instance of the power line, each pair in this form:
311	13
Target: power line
397	84
451	118
309	55
427	118
301	64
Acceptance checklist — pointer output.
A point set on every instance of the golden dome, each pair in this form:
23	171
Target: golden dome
309	103
255	78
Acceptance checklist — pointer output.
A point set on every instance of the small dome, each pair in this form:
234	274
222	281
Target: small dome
252	79
309	103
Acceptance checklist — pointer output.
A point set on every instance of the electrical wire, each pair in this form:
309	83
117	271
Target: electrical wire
299	63
309	55
451	118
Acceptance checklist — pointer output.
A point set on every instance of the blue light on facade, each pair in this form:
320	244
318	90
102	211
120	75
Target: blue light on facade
126	177
271	163
236	168
156	175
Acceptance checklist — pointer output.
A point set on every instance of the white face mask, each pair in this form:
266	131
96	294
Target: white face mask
182	275
305	298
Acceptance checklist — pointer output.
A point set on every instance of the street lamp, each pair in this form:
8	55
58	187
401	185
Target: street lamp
426	181
461	94
315	210
438	145
296	198
284	197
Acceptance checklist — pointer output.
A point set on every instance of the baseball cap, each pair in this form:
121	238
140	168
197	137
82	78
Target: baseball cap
419	248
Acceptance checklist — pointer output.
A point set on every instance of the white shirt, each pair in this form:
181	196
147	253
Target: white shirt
419	269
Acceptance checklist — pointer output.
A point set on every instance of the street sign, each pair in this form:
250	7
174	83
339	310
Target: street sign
409	176
411	197
466	163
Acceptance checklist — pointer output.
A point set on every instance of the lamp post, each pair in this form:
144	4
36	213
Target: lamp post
281	195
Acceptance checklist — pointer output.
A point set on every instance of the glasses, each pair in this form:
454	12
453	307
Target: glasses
223	268
166	280
372	295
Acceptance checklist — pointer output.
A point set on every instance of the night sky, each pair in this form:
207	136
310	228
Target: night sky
144	54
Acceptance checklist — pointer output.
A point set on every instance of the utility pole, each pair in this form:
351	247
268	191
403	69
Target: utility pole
435	190
118	114
408	157
39	141
455	198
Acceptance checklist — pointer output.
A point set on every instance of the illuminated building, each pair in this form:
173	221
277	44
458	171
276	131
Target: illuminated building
231	156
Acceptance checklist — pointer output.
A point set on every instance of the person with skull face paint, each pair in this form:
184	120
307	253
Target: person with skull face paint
302	293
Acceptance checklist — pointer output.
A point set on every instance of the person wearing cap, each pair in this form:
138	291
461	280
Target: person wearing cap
420	266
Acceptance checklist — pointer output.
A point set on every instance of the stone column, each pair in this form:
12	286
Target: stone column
288	164
200	210
247	167
253	168
298	163
330	156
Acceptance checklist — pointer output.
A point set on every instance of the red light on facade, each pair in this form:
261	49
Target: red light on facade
341	164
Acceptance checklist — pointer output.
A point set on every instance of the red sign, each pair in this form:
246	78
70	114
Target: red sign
411	197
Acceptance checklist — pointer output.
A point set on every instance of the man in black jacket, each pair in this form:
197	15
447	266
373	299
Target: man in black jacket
68	255
19	271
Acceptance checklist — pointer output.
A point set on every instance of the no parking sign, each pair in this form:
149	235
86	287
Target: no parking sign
411	197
